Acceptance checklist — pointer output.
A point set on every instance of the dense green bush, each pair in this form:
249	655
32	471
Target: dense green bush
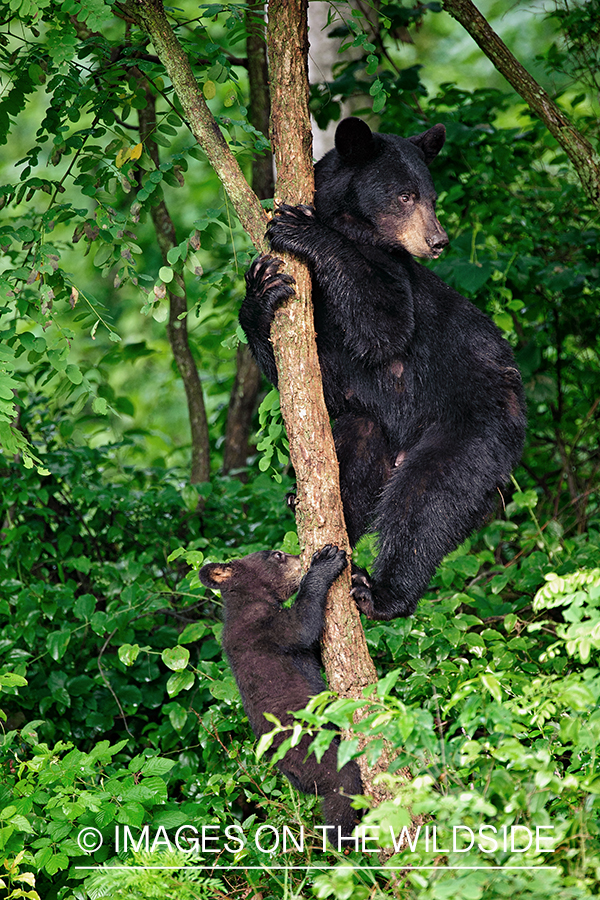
130	717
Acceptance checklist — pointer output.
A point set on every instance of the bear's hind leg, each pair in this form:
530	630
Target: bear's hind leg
337	796
441	490
364	458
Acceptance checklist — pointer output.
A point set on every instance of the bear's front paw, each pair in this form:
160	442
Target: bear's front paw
288	227
361	592
266	282
331	557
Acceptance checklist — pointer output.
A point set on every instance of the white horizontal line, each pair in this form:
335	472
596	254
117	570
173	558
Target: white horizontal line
308	868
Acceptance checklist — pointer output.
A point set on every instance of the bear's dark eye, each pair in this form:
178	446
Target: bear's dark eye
278	555
406	198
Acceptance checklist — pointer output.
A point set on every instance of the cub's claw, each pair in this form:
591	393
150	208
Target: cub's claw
331	556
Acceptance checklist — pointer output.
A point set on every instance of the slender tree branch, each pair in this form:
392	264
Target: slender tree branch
579	150
151	16
177	326
246	386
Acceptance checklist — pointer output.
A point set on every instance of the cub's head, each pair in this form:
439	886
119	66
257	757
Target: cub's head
377	188
269	574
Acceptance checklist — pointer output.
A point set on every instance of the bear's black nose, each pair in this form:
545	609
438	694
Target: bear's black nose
438	241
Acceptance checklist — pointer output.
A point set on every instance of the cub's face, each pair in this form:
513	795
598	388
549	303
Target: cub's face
268	573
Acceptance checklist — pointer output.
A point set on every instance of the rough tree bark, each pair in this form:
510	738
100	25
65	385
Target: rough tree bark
579	150
177	332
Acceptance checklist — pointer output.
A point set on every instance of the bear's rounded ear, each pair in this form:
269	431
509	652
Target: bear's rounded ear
215	575
354	140
430	142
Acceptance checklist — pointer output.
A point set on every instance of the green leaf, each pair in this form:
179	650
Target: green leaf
264	744
179	681
192	632
177	716
73	373
491	684
224	690
128	653
85	606
347	750
11	679
157	765
176	658
385	685
57	643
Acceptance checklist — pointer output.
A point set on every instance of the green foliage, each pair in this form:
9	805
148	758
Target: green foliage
579	593
576	52
84	186
273	439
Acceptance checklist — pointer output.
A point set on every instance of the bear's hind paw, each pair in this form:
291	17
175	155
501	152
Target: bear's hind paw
361	592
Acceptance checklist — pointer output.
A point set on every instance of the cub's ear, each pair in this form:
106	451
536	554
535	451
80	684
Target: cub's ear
215	575
354	140
430	142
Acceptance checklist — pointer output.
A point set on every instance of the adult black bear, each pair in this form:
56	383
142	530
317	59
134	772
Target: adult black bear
274	655
428	402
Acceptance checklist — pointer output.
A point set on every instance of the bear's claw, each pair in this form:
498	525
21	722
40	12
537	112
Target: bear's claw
361	592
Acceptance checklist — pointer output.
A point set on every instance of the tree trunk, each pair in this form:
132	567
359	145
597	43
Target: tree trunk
242	403
177	327
319	510
579	150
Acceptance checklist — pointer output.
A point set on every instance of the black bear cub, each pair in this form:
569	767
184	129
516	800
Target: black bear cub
274	655
427	400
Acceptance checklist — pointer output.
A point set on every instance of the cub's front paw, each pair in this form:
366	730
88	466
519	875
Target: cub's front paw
288	227
361	591
332	558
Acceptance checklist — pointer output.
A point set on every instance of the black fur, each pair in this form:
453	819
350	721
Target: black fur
428	402
274	655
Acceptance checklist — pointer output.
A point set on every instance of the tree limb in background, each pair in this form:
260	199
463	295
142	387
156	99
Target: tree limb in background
177	326
579	150
246	386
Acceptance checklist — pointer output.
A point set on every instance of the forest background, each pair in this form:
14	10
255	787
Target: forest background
128	419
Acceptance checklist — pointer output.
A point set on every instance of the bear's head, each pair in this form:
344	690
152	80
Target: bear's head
267	575
377	188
